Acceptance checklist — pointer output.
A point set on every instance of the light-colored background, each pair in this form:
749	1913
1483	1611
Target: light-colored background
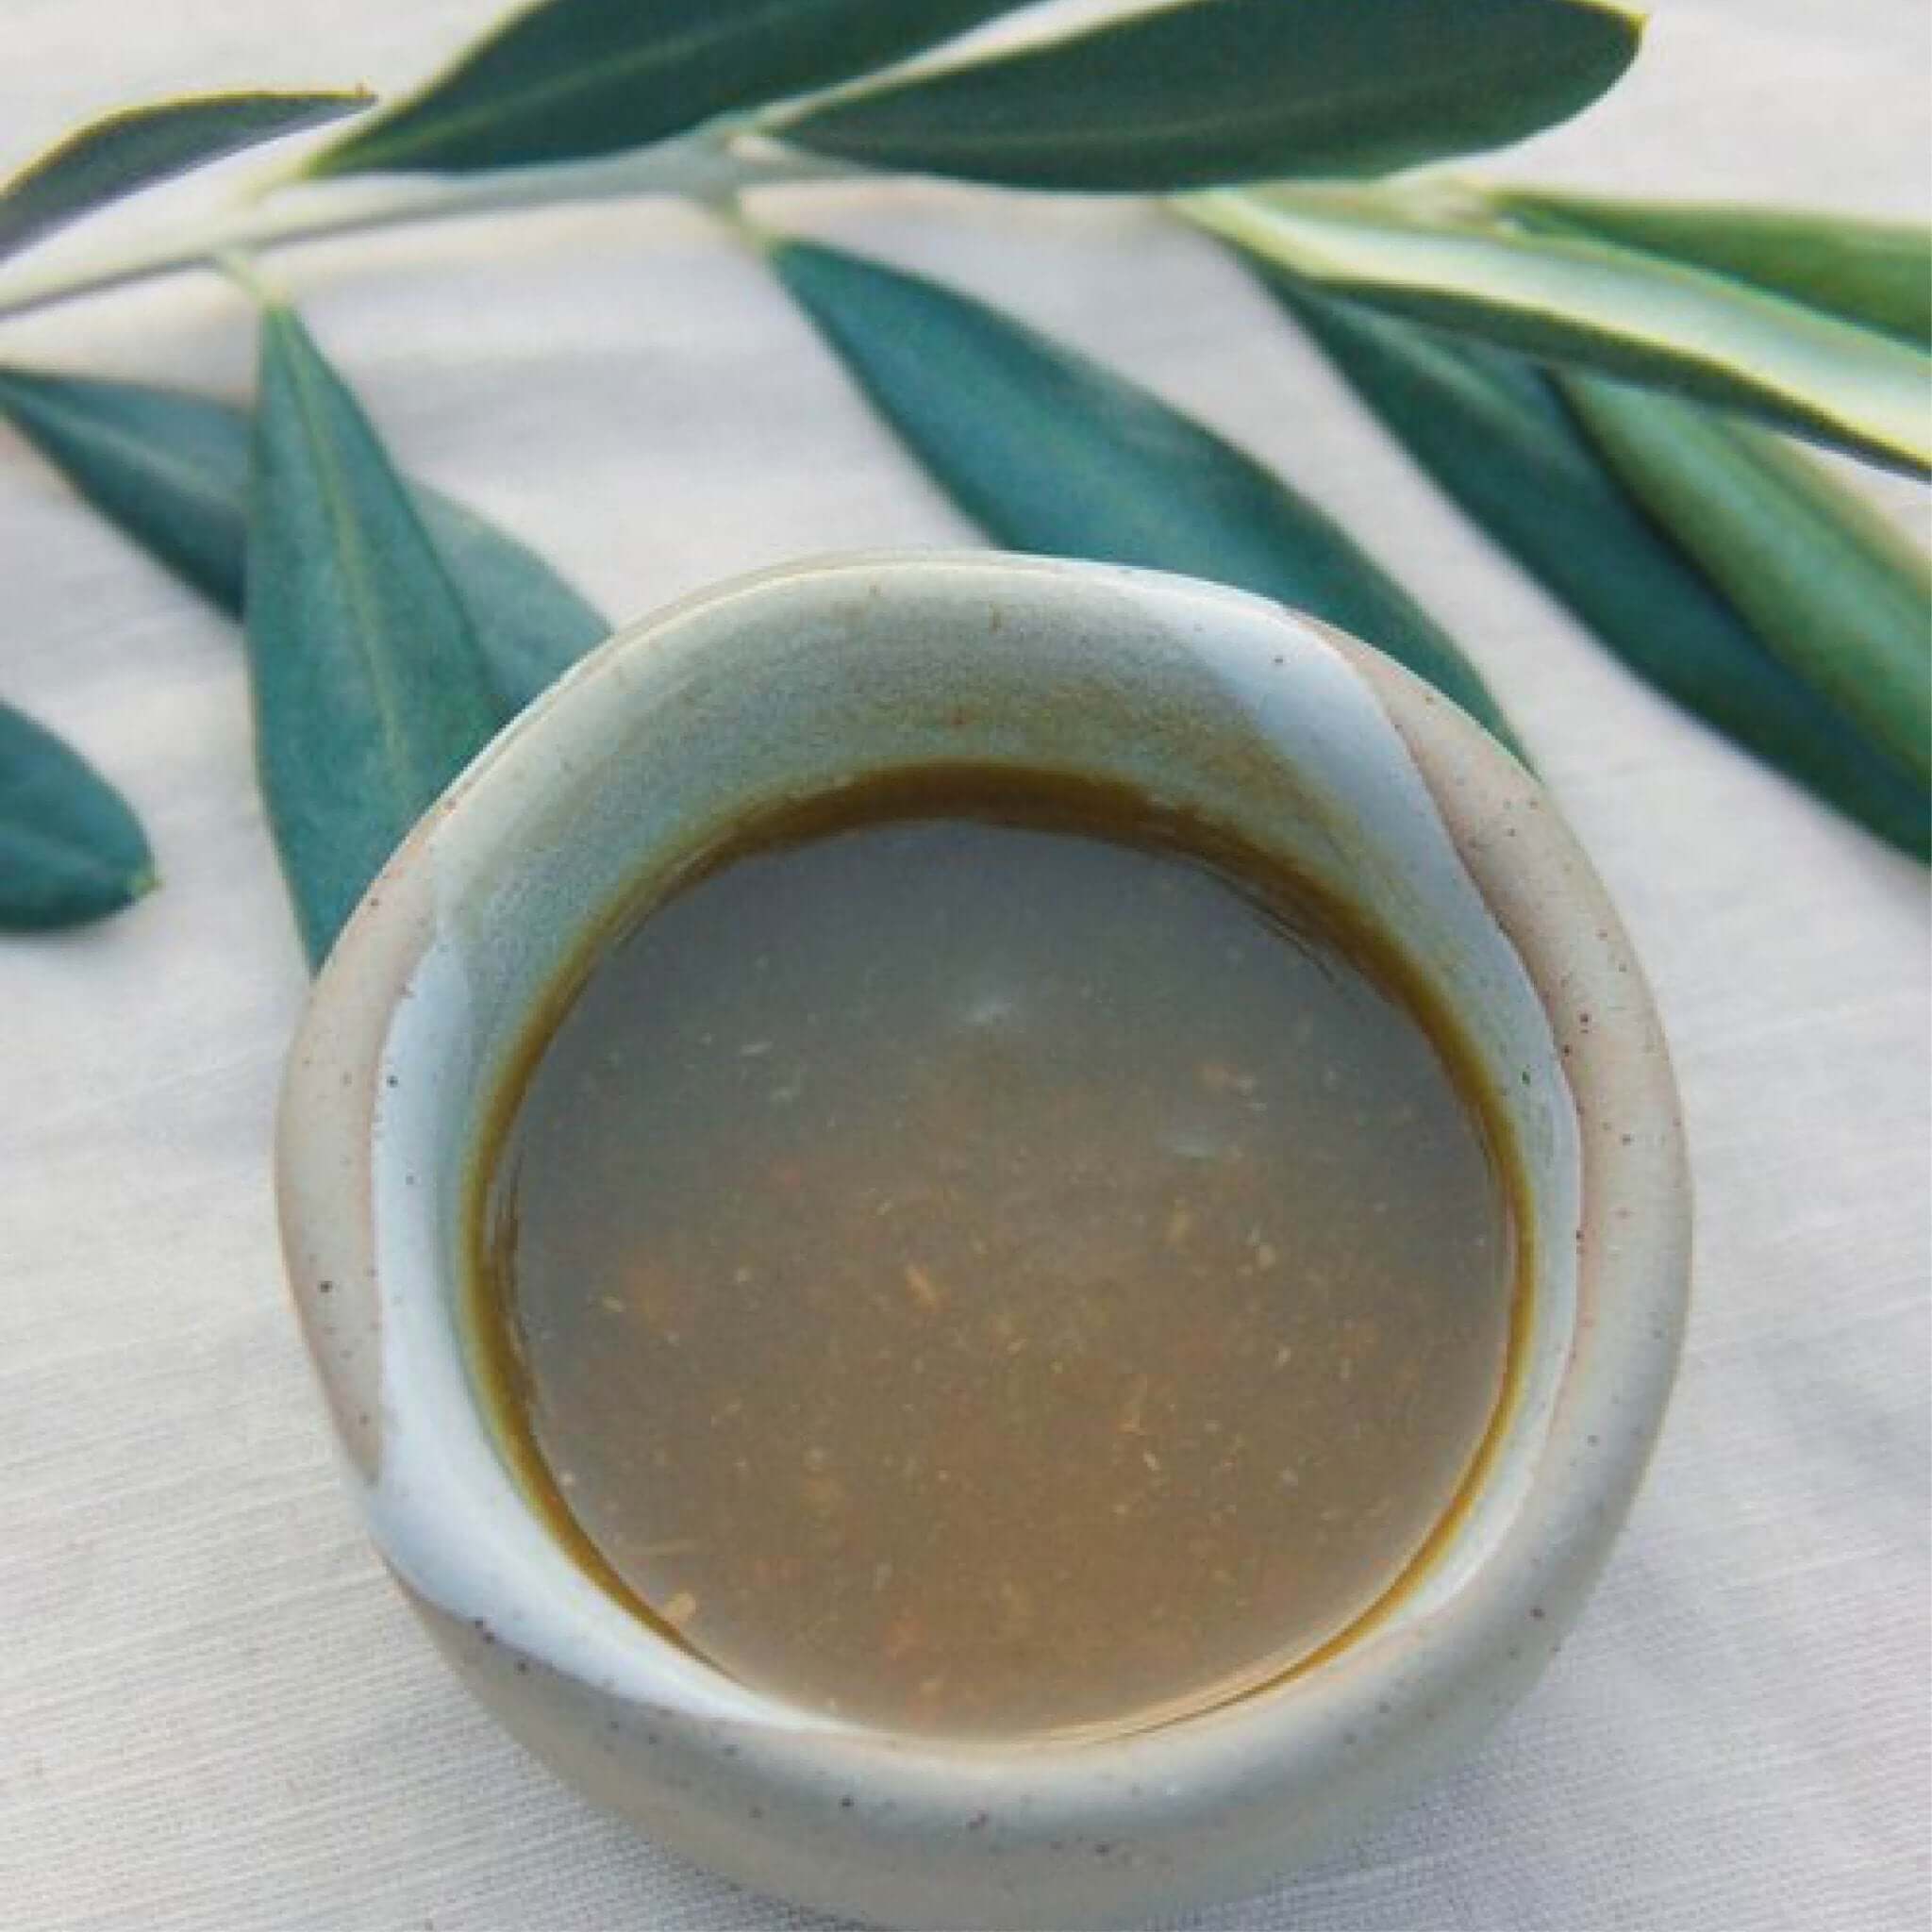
213	1711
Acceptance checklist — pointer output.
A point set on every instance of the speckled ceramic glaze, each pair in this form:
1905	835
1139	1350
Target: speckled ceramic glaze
800	679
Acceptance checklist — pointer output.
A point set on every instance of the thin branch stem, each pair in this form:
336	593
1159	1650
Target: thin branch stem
700	168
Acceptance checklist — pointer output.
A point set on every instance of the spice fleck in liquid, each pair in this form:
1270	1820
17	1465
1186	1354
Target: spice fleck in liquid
983	1258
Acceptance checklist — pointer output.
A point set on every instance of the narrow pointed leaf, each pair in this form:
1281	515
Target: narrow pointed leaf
1830	586
530	625
172	469
141	146
571	79
1569	299
1049	452
370	691
1876	274
1240	90
71	847
1492	431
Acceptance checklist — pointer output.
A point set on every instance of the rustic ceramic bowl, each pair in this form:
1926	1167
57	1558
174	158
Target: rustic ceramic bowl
797	680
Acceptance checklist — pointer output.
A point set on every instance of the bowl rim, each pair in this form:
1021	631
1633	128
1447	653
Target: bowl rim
1633	1278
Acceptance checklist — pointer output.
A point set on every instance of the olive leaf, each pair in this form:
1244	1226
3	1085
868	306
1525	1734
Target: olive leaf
139	146
530	625
71	847
1573	299
1874	274
1828	585
371	693
571	79
1049	452
1238	90
172	471
1491	429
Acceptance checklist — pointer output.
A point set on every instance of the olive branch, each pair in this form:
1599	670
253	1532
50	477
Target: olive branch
1611	388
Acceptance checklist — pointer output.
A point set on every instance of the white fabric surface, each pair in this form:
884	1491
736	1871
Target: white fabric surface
214	1711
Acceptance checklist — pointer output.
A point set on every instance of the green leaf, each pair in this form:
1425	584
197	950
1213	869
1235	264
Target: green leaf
1238	90
371	693
135	149
530	625
172	469
1561	298
1874	274
571	79
1492	431
1829	586
71	848
1049	452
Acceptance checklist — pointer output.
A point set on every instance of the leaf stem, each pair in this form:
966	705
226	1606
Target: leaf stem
701	167
241	269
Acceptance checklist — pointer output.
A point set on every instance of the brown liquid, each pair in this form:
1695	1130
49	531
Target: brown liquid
983	1256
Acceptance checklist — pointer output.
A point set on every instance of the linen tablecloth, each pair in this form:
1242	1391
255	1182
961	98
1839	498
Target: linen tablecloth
214	1711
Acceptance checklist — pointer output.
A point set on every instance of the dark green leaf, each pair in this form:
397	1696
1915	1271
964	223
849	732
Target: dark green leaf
573	78
71	848
1830	586
1049	452
1492	431
1567	298
371	693
172	469
141	146
529	624
1237	90
1876	274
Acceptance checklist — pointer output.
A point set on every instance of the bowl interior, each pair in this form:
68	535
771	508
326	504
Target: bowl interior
790	684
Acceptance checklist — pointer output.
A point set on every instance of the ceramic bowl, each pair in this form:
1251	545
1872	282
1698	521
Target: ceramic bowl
1311	746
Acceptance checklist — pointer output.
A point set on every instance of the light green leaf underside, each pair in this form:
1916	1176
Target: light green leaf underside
1569	299
1829	586
1493	432
1877	275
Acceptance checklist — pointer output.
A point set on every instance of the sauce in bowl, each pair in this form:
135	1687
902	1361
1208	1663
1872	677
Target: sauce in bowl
979	1255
